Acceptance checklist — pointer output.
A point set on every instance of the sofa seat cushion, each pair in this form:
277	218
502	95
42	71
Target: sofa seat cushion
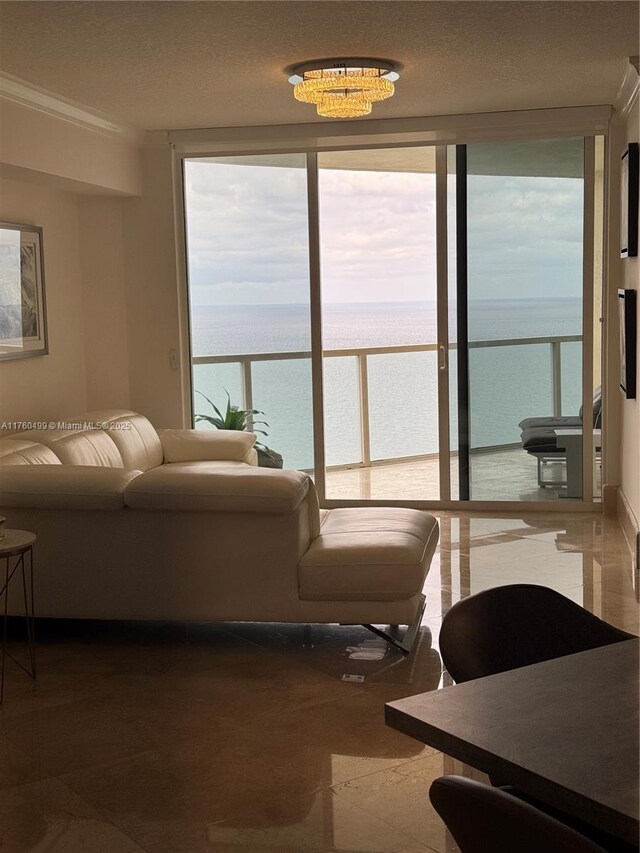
370	554
17	451
212	486
83	487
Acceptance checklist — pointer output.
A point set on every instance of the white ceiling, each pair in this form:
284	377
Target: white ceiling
219	63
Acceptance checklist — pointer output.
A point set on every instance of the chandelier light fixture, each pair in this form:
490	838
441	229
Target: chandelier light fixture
343	88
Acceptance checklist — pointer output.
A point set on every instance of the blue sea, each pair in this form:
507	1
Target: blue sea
507	383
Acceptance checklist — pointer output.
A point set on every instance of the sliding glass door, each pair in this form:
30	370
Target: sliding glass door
377	218
520	223
446	295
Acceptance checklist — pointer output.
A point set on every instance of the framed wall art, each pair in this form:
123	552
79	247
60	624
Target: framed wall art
23	313
627	300
629	187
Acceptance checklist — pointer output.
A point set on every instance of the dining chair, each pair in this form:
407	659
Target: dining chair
483	819
517	625
507	627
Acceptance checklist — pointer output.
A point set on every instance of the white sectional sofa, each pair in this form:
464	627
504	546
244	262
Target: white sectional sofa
182	525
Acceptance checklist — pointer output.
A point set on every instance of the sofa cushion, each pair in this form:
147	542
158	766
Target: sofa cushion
371	554
17	451
194	445
78	446
134	436
210	486
82	487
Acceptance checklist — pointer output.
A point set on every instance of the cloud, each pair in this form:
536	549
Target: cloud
248	238
524	237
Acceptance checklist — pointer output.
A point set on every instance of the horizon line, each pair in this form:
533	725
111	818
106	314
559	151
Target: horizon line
383	302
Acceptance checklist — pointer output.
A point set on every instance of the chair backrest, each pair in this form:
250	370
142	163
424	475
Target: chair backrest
511	626
483	819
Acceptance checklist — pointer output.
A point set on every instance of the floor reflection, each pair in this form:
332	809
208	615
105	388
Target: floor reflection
267	737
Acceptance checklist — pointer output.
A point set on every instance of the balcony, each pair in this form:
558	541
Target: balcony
381	420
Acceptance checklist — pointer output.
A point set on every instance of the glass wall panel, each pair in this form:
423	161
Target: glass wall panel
571	378
212	381
248	265
399	430
342	411
525	271
499	406
282	390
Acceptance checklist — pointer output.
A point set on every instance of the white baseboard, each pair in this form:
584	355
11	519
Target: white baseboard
630	526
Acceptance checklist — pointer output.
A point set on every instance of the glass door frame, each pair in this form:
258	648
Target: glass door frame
445	502
441	343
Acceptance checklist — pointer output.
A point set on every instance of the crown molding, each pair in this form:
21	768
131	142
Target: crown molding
44	101
628	92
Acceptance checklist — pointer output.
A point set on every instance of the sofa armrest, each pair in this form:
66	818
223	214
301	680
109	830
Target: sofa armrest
200	445
205	488
64	486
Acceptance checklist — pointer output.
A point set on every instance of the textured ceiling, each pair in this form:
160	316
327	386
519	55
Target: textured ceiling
169	65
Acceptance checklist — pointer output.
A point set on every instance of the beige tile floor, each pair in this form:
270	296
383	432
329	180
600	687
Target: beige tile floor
181	739
500	475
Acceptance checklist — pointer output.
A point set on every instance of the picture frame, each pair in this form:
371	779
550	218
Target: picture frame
629	191
627	300
23	310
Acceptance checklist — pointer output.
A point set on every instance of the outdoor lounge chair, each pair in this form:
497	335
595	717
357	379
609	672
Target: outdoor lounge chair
539	439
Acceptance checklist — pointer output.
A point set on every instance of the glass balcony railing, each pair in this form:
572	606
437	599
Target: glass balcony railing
380	403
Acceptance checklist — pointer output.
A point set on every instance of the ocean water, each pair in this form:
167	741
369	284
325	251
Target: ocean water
507	383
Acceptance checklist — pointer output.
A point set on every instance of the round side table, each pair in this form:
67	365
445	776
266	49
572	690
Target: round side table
16	551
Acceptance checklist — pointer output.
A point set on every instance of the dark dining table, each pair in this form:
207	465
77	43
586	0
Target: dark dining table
564	731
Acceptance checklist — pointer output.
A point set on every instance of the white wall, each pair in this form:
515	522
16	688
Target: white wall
112	302
51	386
630	427
95	160
73	180
87	312
152	293
104	302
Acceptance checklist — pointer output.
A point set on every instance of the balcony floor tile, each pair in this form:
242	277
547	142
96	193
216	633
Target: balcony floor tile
500	475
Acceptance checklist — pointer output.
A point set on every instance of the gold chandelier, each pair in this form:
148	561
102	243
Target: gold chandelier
343	88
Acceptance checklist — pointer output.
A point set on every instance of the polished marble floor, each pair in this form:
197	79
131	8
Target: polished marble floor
241	737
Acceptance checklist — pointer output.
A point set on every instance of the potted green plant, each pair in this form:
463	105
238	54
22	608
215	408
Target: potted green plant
241	419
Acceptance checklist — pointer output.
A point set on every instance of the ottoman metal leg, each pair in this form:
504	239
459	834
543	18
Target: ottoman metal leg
406	643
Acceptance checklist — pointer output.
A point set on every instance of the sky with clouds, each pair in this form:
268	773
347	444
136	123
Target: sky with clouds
248	241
